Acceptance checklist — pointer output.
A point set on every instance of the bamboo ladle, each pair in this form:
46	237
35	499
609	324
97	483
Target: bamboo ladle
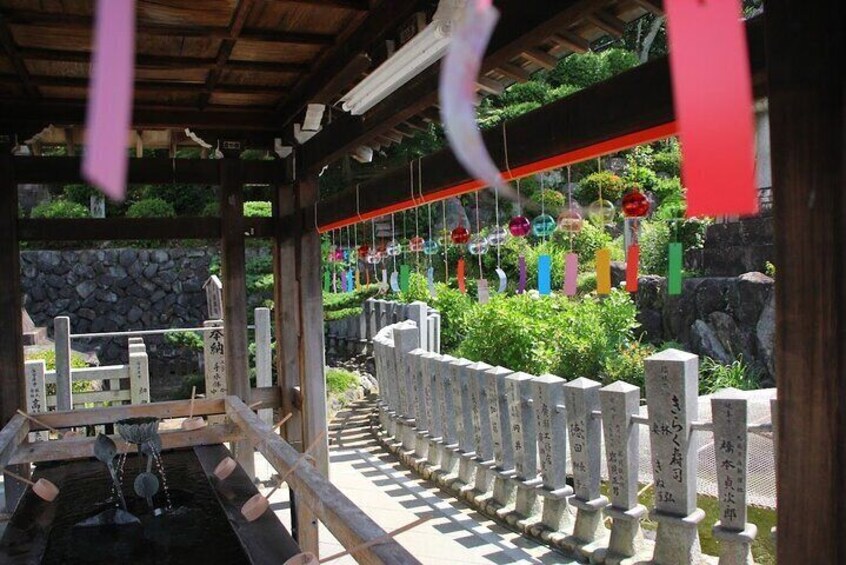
227	464
193	422
42	487
62	435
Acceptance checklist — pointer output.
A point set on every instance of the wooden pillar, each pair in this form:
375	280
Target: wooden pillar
233	266
12	391
805	45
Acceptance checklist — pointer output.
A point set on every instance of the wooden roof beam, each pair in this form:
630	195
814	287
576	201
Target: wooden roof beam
162	61
239	18
514	72
571	41
152	86
11	49
358	5
655	7
609	23
541	58
62	21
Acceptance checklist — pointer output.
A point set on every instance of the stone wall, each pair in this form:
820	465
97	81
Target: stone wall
719	317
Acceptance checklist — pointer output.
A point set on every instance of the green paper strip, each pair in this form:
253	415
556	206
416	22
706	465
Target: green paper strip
405	275
674	275
327	282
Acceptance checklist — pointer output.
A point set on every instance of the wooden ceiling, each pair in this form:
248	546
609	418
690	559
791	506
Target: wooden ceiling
254	65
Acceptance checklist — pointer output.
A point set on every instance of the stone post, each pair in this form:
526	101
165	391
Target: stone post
518	388
729	414
446	406
331	338
361	333
464	423
503	471
482	441
391	379
214	361
381	314
620	401
369	311
406	339
551	417
264	359
460	393
36	393
417	313
415	361
581	397
435	332
379	353
429	368
672	382
61	336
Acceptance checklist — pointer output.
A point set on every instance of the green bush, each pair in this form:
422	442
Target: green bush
619	60
550	199
79	193
628	364
151	208
186	340
570	338
610	185
656	236
667	162
338	381
585	243
583	70
49	358
211	209
668	190
60	209
186	199
258	209
454	308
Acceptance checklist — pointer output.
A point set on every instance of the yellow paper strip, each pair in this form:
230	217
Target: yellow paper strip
603	271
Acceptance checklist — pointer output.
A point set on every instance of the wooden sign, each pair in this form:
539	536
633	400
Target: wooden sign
214	297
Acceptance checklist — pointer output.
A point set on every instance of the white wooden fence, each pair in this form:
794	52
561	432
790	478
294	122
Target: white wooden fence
499	439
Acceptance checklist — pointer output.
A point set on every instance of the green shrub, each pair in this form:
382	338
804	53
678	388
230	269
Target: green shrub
619	60
49	358
258	209
667	162
770	269
211	209
668	190
60	209
610	185
570	338
656	236
580	70
186	340
186	199
585	243
550	199
342	313
151	208
714	376
339	381
79	193
628	364
454	308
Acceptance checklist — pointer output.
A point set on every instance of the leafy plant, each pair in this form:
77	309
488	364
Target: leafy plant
714	376
60	209
338	381
185	340
550	199
606	183
258	209
186	199
628	364
770	270
151	208
49	358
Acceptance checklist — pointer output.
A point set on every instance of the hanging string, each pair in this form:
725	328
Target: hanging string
393	239
413	198
570	204
478	233
429	257
373	245
446	245
543	203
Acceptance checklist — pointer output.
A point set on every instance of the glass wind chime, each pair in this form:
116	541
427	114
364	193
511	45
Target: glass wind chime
520	226
570	221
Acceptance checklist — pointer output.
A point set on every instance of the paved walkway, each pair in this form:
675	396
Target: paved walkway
393	496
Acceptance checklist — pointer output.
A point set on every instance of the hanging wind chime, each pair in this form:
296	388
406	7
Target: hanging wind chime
543	226
520	226
570	221
635	207
478	246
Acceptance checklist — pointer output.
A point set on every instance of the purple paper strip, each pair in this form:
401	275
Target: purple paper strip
521	283
571	274
110	99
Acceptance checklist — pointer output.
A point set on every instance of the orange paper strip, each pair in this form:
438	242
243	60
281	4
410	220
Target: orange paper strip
632	260
603	271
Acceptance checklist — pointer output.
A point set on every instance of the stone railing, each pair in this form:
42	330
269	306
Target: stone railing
355	333
499	439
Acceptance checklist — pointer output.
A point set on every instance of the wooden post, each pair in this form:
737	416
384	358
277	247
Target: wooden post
11	338
233	262
61	337
286	315
808	150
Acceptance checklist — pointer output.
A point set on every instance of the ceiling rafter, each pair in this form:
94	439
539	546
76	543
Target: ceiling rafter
11	49
239	18
150	85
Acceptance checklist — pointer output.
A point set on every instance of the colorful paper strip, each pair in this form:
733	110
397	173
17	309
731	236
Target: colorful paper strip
545	275
603	271
430	282
459	272
571	274
482	292
109	115
521	282
632	263
327	282
712	91
674	274
405	276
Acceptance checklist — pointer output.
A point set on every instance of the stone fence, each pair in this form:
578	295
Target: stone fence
499	439
354	333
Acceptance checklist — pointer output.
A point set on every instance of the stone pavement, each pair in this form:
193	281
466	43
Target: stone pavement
393	496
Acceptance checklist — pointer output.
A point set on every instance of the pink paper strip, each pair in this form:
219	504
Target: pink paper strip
712	90
110	98
571	274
